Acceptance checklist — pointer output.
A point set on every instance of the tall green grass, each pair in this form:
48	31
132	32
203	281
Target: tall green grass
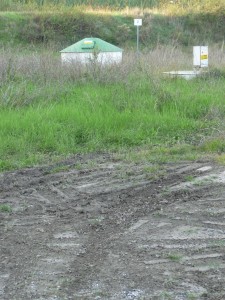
91	118
48	110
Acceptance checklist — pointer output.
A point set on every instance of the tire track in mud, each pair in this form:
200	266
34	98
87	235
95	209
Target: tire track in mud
110	231
39	206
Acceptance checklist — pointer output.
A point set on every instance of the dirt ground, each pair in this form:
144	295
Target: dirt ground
94	227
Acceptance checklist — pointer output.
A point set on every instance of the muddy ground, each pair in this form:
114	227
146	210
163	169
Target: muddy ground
93	227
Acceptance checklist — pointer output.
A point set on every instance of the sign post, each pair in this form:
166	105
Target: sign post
138	23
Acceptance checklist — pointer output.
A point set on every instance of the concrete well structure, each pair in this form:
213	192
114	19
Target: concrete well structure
92	50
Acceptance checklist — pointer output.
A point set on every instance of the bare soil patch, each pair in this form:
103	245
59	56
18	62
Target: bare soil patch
96	228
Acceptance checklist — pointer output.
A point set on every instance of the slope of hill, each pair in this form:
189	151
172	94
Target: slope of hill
180	23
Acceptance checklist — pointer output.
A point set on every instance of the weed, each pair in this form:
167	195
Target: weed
221	159
166	296
5	208
192	230
176	257
96	222
214	265
78	166
154	171
165	191
189	178
204	181
159	214
215	144
59	169
192	296
100	294
218	243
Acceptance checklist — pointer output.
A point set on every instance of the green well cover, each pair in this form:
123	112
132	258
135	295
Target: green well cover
90	45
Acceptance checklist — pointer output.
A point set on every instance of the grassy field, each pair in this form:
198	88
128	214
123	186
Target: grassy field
50	112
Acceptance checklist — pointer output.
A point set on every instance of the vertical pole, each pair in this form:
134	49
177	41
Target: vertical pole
137	40
138	23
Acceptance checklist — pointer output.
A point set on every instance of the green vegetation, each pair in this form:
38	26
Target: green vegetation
5	208
166	295
49	111
189	178
193	296
175	257
115	4
61	23
62	29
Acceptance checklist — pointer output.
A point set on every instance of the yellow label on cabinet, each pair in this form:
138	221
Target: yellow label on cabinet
204	56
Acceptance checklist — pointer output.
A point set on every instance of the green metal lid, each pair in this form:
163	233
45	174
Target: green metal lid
91	44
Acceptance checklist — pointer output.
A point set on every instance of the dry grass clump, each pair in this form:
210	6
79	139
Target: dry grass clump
130	6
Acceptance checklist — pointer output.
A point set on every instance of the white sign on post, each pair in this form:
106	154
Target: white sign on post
137	22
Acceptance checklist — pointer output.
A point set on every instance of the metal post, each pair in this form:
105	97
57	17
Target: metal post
138	23
137	40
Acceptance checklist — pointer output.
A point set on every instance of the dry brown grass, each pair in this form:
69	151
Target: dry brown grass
45	67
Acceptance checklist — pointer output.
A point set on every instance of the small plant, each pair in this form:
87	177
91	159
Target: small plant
59	169
5	208
218	243
175	257
159	213
154	172
221	159
189	178
100	294
202	182
192	296
166	296
191	230
96	222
